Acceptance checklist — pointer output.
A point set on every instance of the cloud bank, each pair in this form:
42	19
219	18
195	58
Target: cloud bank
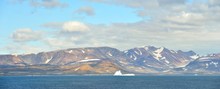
176	24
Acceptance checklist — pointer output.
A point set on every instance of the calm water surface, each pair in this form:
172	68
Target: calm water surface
110	82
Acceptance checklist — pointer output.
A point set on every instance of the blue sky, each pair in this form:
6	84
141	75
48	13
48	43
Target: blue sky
42	25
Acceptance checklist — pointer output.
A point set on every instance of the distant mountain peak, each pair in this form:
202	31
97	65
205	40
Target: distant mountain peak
147	59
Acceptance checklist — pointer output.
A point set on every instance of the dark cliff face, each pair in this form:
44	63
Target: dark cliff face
146	59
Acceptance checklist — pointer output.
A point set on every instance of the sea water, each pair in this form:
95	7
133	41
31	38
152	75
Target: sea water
110	82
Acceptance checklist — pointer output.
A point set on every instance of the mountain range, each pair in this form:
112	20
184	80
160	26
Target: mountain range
106	60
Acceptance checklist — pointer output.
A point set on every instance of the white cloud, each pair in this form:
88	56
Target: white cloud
41	3
74	26
87	10
53	25
128	35
171	23
142	3
23	48
26	34
47	3
67	27
171	2
214	2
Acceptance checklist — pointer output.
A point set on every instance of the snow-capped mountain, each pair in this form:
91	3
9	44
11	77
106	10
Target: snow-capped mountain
158	58
68	61
107	60
209	64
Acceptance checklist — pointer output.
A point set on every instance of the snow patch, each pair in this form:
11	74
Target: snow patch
157	53
125	51
214	63
77	69
159	50
122	62
135	58
166	70
15	54
88	60
136	52
146	48
107	71
172	51
48	60
131	56
140	53
167	61
149	65
194	56
157	56
109	54
184	69
183	65
204	59
83	51
70	51
163	58
212	55
206	65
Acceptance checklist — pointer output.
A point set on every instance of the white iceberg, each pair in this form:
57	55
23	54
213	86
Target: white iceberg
118	73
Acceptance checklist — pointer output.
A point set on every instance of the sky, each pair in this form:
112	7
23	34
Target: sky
31	26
